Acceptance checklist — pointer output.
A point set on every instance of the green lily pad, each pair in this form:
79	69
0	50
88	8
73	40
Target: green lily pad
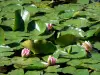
90	61
79	23
28	63
5	61
69	70
5	51
50	74
95	56
16	72
75	62
33	73
40	26
62	60
90	33
2	37
83	2
97	45
74	31
32	9
24	61
82	72
66	39
95	67
77	52
43	47
95	73
53	69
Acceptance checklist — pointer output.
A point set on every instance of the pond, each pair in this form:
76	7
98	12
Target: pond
49	37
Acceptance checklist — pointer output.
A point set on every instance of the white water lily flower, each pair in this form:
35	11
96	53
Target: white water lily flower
87	45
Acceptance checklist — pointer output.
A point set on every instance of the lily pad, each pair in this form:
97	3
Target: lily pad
33	73
5	61
95	73
97	45
69	70
5	51
66	39
53	69
50	74
16	72
82	72
2	37
77	52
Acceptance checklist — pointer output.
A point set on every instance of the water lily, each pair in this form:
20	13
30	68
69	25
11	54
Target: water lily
49	26
87	45
25	52
51	60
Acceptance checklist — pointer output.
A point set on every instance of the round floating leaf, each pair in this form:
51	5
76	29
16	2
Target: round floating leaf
77	52
75	62
83	2
24	61
90	61
90	33
5	61
43	47
69	70
97	45
2	37
95	73
28	63
16	72
74	31
5	51
62	60
33	73
79	23
36	66
32	9
81	72
95	56
50	74
40	26
53	69
66	39
95	67
41	37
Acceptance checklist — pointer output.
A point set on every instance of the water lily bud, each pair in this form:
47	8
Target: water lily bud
51	60
25	52
49	26
87	45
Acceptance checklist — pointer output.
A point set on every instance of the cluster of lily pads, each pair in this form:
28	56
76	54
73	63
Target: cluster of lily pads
40	38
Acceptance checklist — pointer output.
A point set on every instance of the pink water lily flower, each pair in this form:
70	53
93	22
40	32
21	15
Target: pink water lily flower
25	52
51	60
87	45
49	26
